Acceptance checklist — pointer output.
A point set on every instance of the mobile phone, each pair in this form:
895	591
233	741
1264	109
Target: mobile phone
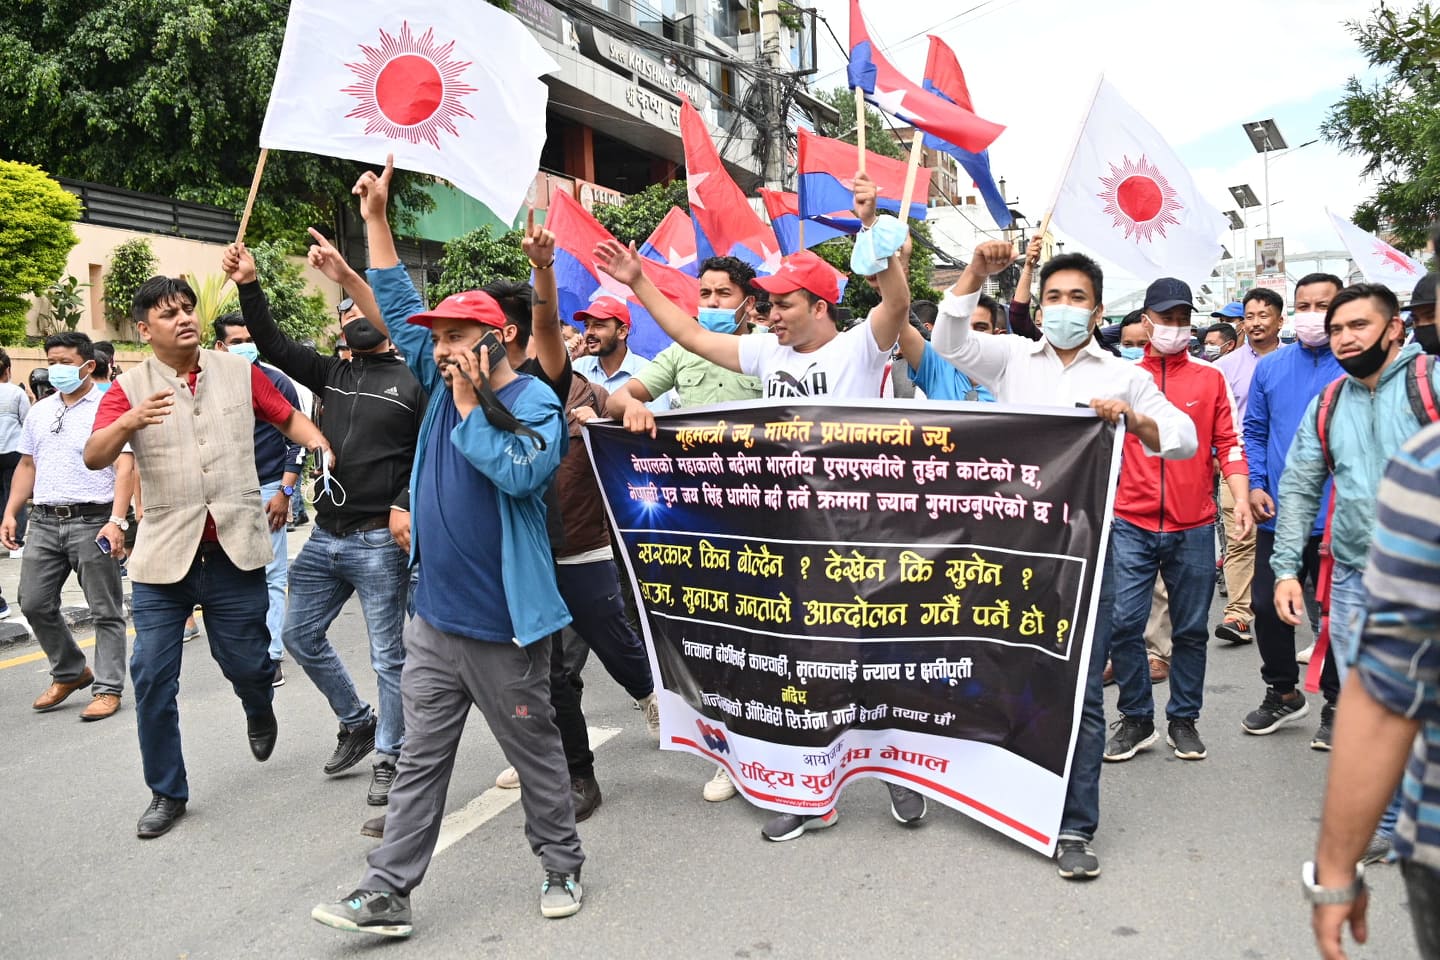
104	544
490	342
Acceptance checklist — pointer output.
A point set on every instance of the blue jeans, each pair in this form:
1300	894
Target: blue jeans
1185	560
1347	622
275	576
326	571
1081	817
234	602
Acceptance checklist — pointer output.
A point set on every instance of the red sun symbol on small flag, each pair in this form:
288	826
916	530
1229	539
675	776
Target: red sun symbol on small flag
409	88
1138	197
1395	259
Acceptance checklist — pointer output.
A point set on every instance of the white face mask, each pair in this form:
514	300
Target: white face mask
1169	340
1212	351
1311	329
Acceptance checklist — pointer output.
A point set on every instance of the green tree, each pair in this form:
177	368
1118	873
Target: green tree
635	219
166	97
131	264
301	315
35	238
878	138
1393	121
477	258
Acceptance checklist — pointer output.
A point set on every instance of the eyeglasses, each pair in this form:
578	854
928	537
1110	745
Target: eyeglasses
345	306
59	423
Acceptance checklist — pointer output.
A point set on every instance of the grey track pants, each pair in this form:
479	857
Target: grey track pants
444	674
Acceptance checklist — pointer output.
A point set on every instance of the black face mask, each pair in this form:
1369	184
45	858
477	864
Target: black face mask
361	336
1428	337
1372	358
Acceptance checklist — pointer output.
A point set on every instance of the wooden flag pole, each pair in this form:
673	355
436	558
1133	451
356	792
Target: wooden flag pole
254	189
800	221
917	150
860	126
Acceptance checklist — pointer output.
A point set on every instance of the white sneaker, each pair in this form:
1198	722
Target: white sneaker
719	786
508	779
651	706
1304	655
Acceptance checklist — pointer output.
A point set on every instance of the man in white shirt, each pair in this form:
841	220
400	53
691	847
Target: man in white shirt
805	356
1065	368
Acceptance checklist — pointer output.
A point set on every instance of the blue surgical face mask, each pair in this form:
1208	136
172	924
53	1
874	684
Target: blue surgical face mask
1066	327
66	377
718	319
1133	353
247	350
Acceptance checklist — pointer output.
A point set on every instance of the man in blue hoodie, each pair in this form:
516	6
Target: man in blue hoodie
490	442
1282	387
1369	418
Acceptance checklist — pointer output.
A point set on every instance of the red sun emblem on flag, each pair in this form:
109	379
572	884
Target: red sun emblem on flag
1138	197
1393	257
409	87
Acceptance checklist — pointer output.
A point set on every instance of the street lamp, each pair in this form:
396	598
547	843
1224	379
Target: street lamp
1265	137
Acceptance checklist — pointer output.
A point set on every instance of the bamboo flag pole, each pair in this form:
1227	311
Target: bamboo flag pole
912	171
250	200
860	126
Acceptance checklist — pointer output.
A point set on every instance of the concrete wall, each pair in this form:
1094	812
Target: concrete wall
90	258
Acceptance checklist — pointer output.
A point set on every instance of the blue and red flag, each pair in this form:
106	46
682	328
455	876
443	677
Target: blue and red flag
579	281
888	89
673	243
945	79
784	212
725	223
827	181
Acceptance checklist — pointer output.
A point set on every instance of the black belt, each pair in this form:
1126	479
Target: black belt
74	511
365	526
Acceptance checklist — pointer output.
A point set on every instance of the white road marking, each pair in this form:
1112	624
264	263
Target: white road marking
490	804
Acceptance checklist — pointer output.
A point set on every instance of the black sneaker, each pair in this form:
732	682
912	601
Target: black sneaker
788	826
1274	712
1325	732
374	827
279	679
585	794
352	747
1076	861
906	805
379	912
560	894
1182	736
382	776
1132	734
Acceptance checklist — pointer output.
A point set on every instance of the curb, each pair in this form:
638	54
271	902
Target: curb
15	631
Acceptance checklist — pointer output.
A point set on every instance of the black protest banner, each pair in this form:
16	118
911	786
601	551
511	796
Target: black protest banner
834	591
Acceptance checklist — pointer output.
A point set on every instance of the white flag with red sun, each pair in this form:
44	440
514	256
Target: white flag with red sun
1128	199
1377	260
453	91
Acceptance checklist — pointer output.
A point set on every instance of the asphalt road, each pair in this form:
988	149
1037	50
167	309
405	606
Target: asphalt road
1201	860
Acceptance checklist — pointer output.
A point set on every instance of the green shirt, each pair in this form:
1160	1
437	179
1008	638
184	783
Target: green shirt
696	380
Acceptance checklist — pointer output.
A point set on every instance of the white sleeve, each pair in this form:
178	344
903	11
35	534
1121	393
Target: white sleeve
1177	431
754	348
979	358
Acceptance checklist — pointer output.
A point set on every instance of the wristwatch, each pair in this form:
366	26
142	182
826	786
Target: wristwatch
288	489
1321	896
120	522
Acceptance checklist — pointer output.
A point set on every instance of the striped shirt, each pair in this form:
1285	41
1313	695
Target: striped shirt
1399	658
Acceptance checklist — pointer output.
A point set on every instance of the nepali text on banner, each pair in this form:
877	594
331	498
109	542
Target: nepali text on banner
841	591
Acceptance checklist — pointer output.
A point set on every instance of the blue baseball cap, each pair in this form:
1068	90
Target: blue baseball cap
1166	293
1233	310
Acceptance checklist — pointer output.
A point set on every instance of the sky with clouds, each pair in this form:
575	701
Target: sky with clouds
1196	71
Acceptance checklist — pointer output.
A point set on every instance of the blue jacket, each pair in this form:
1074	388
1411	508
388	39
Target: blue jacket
1366	430
518	470
1284	384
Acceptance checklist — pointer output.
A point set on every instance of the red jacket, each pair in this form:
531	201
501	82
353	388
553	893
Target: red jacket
1171	495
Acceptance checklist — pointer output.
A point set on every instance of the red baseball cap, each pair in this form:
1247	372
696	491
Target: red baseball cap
804	271
475	305
605	308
